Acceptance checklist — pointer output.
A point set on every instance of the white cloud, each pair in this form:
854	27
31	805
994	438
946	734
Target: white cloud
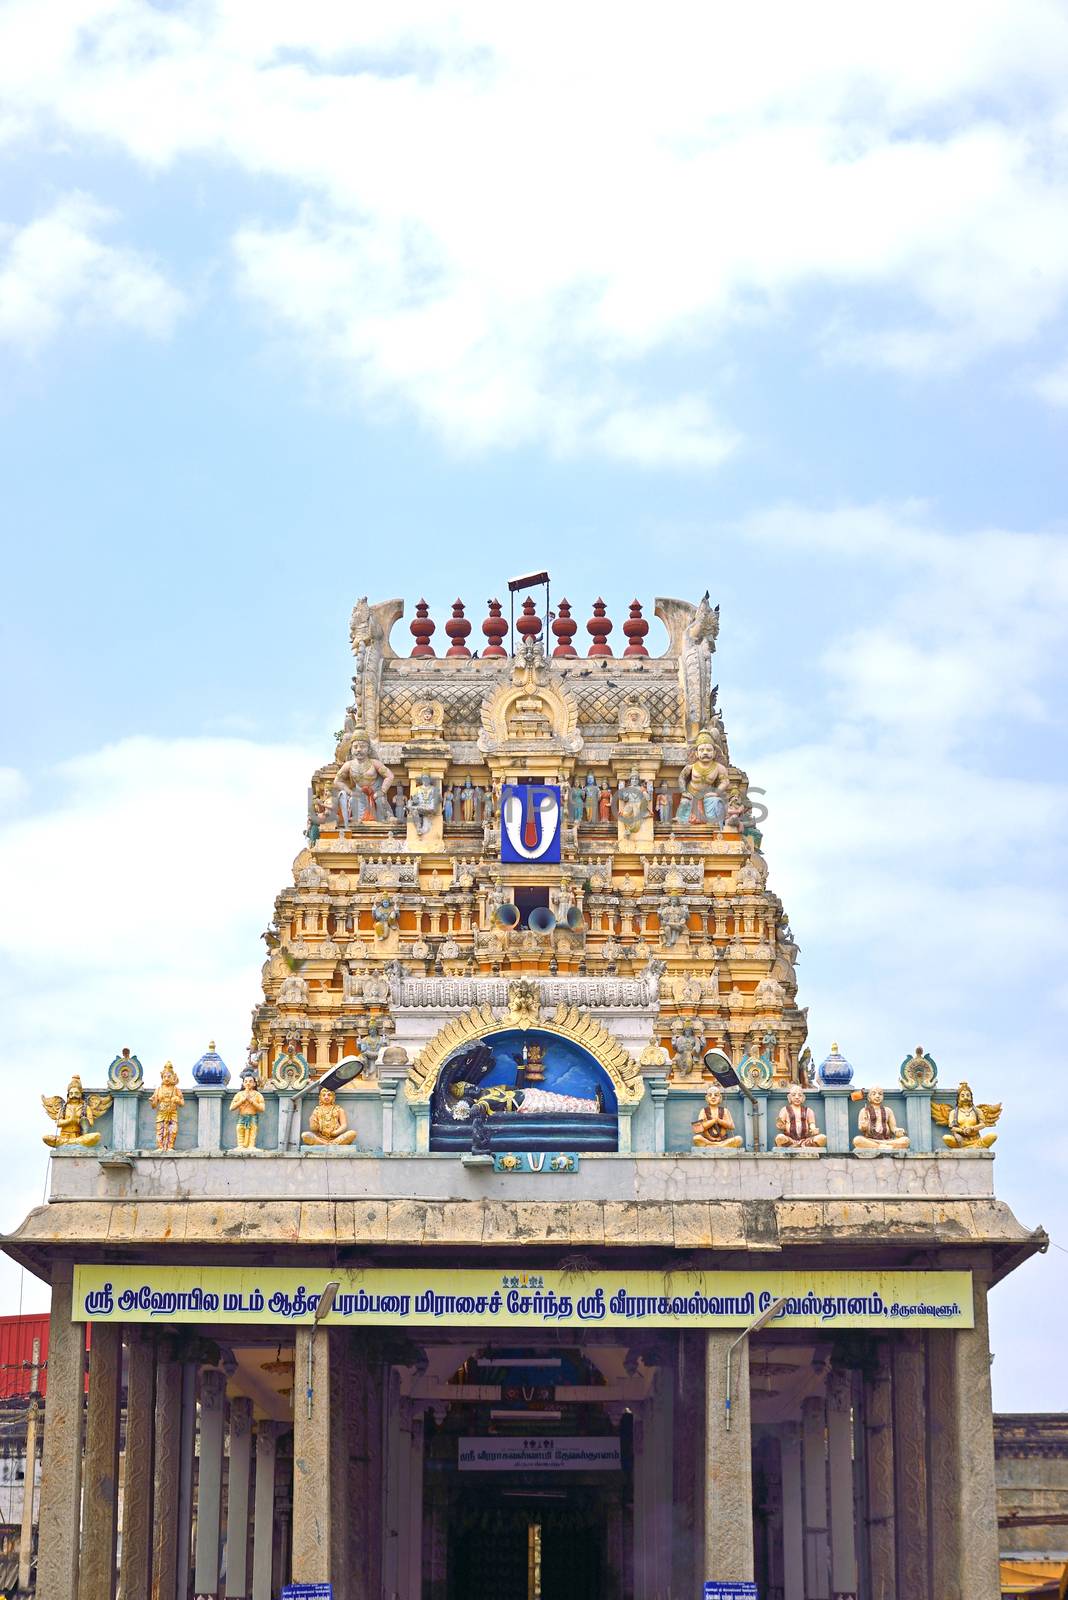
1052	386
54	270
499	219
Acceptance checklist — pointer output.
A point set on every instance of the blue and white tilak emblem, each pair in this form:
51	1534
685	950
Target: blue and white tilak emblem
530	822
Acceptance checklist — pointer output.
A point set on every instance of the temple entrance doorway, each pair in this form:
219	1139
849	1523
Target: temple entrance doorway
528	1471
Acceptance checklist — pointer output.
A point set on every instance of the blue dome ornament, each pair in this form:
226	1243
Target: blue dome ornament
211	1071
835	1071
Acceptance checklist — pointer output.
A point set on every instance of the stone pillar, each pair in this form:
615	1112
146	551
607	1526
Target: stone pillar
167	1470
814	1466
96	1567
185	1476
658	1090
640	1508
237	1498
61	1466
412	1555
263	1516
910	1468
391	1477
209	1483
840	1473
879	1452
728	1475
793	1514
209	1118
312	1460
964	1534
137	1482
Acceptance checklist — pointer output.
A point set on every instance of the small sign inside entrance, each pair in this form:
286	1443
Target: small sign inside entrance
552	1454
729	1591
308	1591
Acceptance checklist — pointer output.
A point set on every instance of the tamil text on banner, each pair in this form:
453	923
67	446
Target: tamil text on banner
397	1297
541	1454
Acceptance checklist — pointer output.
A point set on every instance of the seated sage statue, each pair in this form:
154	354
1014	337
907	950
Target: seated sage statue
714	1128
878	1129
328	1124
796	1123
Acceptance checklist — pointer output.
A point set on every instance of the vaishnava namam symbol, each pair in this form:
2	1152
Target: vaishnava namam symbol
530	822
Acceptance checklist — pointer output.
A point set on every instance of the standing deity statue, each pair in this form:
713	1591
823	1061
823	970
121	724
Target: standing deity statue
248	1104
664	805
467	801
686	1042
714	1128
575	803
360	786
448	803
674	918
75	1115
328	1124
166	1101
705	781
970	1127
589	799
878	1128
796	1123
695	664
604	802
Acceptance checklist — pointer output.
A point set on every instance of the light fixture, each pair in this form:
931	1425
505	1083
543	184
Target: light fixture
754	1327
323	1308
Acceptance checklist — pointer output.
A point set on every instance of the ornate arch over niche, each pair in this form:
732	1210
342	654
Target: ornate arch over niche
531	708
566	1021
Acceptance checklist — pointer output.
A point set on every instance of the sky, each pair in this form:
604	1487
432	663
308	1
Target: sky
302	303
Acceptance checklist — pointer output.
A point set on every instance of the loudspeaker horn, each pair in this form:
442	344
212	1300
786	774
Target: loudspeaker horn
574	919
507	915
541	920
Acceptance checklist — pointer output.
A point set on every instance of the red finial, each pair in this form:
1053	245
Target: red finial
635	629
599	627
495	629
422	628
529	623
457	629
565	627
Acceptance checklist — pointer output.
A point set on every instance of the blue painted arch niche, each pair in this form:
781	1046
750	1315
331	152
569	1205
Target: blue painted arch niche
569	1069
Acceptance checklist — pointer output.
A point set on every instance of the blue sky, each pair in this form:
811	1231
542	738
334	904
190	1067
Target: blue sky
299	304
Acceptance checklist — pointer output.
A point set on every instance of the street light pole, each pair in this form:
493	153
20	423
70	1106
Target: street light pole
754	1327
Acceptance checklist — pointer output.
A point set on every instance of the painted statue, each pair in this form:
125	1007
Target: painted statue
575	803
359	787
423	804
167	1099
970	1127
448	804
633	805
714	1128
589	799
74	1116
248	1104
604	802
705	781
674	919
796	1123
328	1124
664	805
878	1129
686	1042
467	801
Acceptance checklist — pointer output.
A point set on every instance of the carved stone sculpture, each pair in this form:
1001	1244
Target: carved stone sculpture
686	1042
248	1104
878	1128
714	1128
166	1100
796	1123
969	1127
919	1071
328	1124
75	1115
706	782
360	786
423	804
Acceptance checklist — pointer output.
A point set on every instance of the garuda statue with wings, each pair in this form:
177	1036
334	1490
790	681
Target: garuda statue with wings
969	1127
74	1116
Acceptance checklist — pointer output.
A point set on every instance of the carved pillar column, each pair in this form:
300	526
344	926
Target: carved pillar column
263	1518
185	1476
814	1466
728	1477
793	1514
910	1467
137	1482
96	1567
840	1471
640	1509
312	1460
237	1489
391	1479
964	1545
167	1468
209	1483
879	1452
61	1465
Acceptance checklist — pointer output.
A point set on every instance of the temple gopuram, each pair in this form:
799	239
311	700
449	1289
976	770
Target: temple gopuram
531	1253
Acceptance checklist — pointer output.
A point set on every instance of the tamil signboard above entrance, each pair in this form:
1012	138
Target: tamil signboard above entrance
486	1298
589	1453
